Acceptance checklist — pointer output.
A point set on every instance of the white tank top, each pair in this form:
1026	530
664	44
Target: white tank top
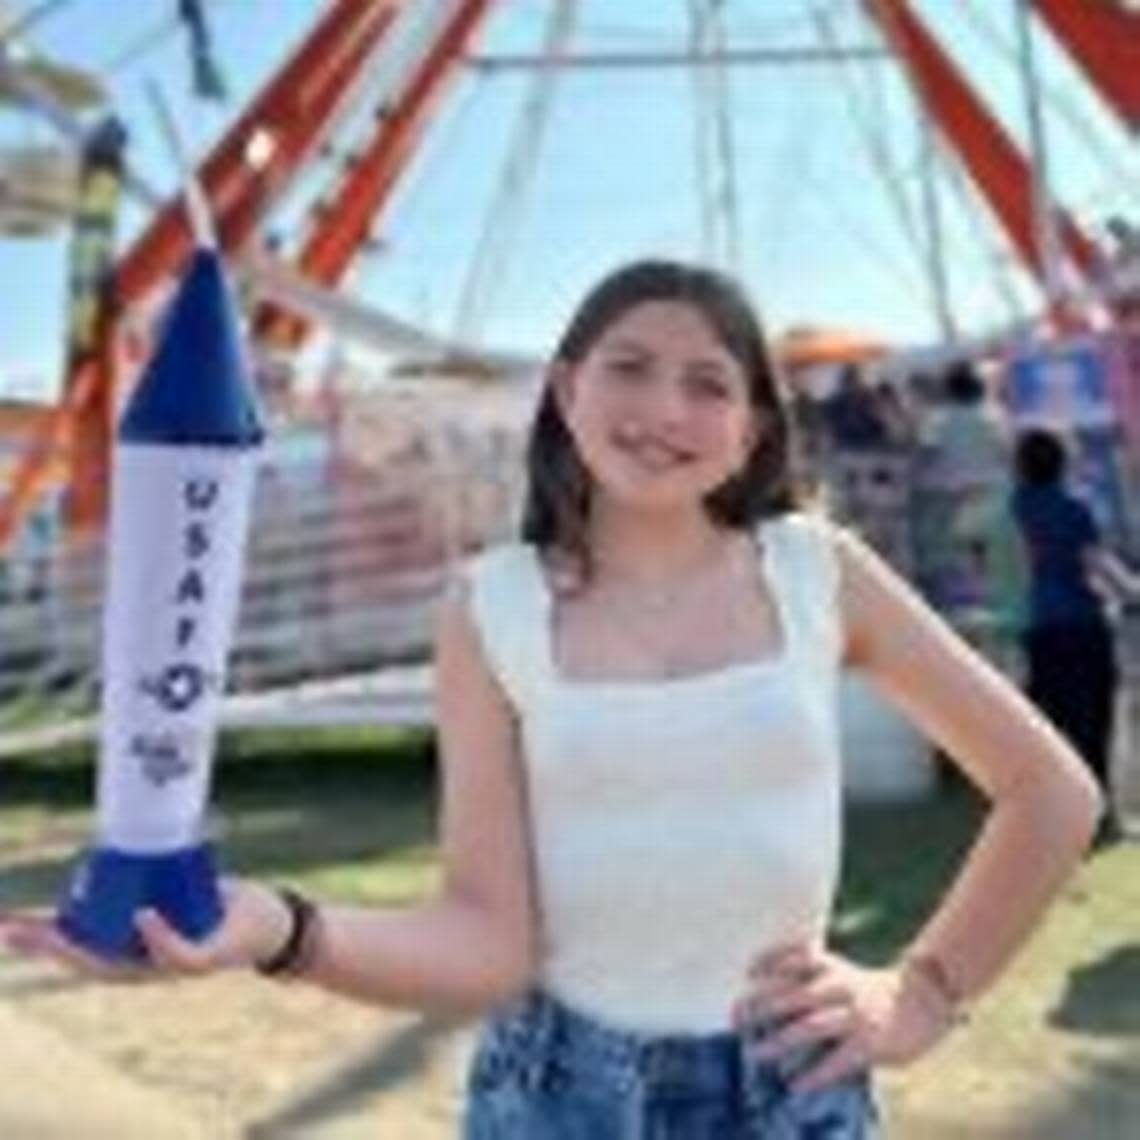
680	827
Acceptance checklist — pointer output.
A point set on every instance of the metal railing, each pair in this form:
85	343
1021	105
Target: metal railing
341	579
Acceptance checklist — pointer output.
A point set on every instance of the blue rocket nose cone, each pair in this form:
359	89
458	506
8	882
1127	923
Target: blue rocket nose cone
197	388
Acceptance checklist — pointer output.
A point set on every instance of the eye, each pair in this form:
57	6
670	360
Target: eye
710	386
627	367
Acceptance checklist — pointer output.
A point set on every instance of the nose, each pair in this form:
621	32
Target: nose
669	405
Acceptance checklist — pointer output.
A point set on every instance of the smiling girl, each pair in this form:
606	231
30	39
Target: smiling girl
641	815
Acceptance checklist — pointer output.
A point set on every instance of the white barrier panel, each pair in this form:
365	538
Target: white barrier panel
884	756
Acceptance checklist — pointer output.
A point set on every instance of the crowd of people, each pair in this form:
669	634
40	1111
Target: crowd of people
984	517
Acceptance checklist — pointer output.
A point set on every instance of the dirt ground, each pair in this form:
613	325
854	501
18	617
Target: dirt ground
240	1057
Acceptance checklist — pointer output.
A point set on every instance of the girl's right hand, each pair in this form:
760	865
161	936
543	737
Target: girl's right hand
255	924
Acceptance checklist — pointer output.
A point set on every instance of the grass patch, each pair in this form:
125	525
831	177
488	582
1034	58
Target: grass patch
899	858
352	815
1054	1053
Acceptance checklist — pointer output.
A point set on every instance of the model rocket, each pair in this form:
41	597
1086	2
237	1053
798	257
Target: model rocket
183	473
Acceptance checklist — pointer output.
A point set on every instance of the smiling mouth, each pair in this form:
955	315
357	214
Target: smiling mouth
653	455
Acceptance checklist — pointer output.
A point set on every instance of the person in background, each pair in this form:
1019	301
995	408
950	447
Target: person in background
896	417
965	466
971	443
852	414
1070	657
857	459
968	432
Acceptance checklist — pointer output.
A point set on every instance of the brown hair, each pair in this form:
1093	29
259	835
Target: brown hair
557	499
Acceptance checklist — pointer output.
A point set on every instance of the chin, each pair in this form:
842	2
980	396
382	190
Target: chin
643	496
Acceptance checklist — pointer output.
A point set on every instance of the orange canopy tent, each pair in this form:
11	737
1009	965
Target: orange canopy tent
804	347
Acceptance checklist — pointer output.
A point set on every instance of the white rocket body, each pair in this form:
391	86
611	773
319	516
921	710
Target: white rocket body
179	520
184	465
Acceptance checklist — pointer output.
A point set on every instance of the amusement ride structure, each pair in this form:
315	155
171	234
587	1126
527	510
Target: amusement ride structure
403	57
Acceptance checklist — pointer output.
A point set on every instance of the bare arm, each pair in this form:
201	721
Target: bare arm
1044	804
1104	566
470	948
473	945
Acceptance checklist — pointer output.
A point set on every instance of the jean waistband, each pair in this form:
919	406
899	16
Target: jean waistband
537	1031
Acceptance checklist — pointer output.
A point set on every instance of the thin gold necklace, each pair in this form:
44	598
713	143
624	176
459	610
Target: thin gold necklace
659	597
643	616
640	608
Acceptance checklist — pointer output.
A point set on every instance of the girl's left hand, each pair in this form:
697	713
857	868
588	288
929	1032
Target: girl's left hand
871	1016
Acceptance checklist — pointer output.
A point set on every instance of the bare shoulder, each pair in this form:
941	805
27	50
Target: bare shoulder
874	599
462	663
483	816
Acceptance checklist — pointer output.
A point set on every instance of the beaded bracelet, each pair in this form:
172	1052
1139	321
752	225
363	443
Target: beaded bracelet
296	952
934	973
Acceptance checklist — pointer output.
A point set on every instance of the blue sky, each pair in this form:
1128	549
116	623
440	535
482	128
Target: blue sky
616	178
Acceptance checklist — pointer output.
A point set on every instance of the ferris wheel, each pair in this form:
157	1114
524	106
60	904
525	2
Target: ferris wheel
333	135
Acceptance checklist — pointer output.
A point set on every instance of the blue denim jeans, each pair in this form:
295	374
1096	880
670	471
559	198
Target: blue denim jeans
542	1071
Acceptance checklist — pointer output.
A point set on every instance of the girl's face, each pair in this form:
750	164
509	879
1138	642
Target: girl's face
658	408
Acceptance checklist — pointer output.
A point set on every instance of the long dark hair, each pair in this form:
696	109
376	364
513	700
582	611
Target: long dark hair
557	502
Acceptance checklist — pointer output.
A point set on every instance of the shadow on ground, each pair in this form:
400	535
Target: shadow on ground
1103	997
387	1066
1102	1103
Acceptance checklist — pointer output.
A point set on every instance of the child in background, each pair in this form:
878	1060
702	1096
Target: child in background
1070	657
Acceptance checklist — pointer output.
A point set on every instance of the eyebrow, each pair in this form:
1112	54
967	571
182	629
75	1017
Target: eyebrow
634	346
628	346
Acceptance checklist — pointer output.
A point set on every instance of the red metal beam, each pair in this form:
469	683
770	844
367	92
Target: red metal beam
1104	39
342	224
295	149
45	452
993	160
292	106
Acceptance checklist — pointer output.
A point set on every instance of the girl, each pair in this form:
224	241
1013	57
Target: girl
641	791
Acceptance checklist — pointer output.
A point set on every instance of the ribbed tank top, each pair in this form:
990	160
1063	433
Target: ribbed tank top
682	826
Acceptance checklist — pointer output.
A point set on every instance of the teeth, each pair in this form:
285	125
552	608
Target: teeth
655	454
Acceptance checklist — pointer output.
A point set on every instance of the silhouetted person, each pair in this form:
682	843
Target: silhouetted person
1072	669
852	415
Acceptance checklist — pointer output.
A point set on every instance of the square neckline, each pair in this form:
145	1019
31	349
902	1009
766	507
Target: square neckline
760	539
